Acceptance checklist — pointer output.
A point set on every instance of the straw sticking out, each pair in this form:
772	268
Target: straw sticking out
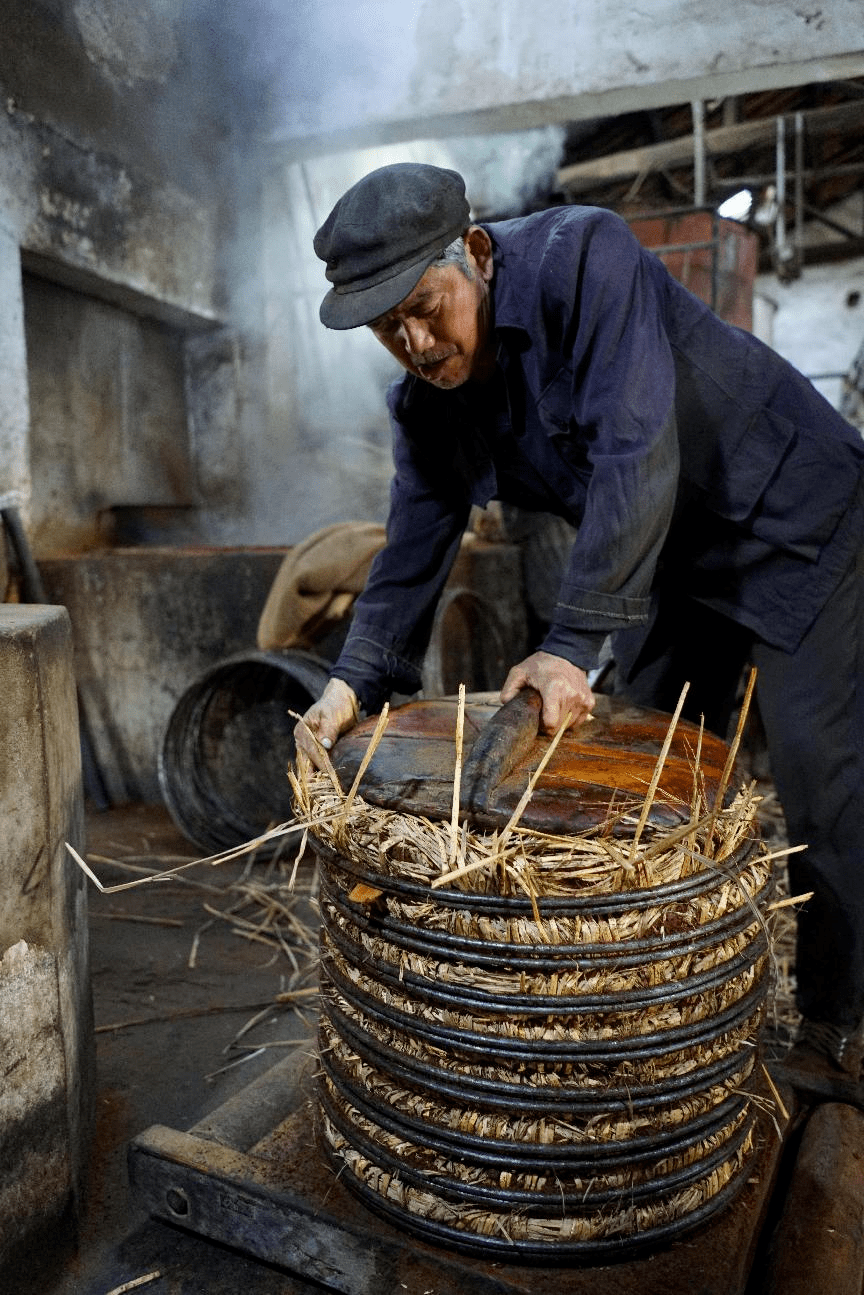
212	860
658	770
736	742
364	763
457	777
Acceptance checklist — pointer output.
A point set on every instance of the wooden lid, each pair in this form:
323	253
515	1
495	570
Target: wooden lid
610	759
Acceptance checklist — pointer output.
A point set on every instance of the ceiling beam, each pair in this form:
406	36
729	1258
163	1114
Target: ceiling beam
580	176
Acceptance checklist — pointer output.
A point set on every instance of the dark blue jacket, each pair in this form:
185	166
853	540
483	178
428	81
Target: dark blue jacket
682	448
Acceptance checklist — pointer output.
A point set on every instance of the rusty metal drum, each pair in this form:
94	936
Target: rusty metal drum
541	1014
221	765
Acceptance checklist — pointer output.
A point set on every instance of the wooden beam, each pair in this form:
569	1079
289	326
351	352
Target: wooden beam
723	139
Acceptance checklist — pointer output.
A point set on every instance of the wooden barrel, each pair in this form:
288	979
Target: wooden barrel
545	1059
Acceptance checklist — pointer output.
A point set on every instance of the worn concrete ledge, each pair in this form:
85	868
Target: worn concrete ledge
46	1027
147	623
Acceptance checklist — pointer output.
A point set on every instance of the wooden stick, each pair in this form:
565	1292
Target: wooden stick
225	857
533	780
658	769
499	853
698	785
793	899
129	864
270	1043
219	1009
733	749
364	763
193	952
136	1283
248	1056
775	1094
457	777
125	866
141	917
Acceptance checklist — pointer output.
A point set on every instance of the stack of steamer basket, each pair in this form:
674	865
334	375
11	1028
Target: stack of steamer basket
539	1042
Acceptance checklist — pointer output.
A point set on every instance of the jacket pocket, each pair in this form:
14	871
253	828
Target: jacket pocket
735	474
786	484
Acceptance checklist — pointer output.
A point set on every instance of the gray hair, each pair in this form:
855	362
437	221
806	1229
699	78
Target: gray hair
456	253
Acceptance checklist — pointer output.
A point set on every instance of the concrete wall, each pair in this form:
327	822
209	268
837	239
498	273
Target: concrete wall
129	173
817	320
119	164
148	624
386	70
107	416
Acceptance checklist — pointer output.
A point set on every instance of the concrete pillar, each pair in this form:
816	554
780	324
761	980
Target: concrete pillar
14	401
46	1025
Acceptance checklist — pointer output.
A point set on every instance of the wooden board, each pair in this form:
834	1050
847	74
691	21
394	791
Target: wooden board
607	762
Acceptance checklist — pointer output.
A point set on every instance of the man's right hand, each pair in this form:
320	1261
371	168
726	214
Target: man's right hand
334	712
564	688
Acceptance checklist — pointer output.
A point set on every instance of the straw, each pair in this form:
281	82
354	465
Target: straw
499	854
655	780
736	742
398	984
457	777
136	1283
364	764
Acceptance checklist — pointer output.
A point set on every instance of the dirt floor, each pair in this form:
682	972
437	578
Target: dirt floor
176	979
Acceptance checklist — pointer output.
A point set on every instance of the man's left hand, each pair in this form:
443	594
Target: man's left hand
564	688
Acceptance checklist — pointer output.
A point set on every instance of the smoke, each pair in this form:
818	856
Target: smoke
327	389
322	449
508	174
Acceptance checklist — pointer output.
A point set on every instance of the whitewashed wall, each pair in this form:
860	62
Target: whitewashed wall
340	69
818	321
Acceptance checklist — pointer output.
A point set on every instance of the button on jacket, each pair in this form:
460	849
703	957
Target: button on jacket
682	448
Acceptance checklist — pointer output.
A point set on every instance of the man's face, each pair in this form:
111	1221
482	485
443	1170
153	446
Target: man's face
441	331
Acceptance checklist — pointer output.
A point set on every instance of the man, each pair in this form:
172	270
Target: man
553	363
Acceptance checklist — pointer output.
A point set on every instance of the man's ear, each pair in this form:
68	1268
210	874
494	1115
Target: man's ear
479	246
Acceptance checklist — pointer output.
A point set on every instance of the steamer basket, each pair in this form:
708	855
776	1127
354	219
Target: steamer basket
551	1076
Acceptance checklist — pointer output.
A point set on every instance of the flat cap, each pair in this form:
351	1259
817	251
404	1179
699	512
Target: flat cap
382	236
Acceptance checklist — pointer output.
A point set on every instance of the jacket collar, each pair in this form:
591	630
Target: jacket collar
512	295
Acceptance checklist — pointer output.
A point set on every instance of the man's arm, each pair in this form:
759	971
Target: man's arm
393	617
623	435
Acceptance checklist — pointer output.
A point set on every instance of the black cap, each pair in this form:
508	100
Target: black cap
382	236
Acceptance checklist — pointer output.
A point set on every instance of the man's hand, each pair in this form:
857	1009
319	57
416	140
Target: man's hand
335	711
563	687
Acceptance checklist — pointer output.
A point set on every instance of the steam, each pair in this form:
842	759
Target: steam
508	174
324	450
